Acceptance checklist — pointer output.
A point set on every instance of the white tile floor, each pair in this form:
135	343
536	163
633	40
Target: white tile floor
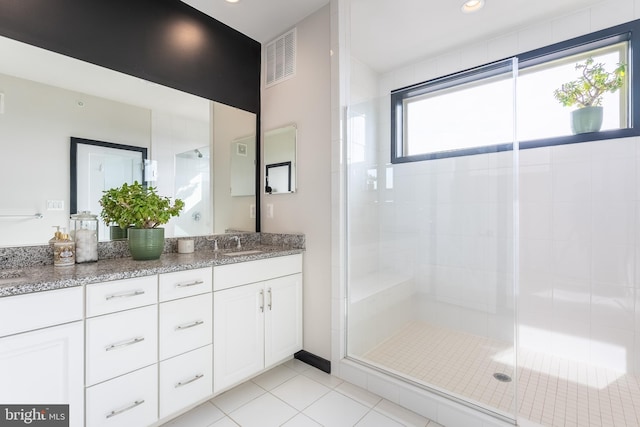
295	394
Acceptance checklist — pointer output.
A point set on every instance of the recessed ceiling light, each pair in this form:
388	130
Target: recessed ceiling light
232	1
472	6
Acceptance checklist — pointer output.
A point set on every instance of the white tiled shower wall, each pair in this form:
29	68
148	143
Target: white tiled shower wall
580	217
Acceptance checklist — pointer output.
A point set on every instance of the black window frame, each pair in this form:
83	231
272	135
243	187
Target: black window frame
629	31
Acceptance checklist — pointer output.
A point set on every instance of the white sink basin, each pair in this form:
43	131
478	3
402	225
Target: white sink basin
243	253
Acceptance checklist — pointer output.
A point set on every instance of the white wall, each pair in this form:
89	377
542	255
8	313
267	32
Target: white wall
35	132
305	101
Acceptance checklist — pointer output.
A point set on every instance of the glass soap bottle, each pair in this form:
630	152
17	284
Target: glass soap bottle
84	231
64	250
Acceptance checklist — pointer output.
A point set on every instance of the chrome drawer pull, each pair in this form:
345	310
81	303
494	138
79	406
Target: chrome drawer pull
262	300
197	377
190	325
120	411
124	344
194	283
270	298
125	295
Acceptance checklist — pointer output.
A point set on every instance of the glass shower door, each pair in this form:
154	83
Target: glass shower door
431	245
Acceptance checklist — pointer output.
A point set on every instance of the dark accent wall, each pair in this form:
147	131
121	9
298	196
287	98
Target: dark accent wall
163	41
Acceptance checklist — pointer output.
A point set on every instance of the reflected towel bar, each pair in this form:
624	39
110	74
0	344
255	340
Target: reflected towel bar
34	216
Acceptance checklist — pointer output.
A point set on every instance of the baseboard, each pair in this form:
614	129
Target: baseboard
313	360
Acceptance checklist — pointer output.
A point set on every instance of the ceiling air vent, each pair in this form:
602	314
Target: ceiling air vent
280	60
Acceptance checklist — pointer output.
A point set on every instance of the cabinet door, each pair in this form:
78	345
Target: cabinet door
45	367
283	318
238	334
127	401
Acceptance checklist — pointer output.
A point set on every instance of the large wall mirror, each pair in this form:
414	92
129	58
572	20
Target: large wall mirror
280	168
47	98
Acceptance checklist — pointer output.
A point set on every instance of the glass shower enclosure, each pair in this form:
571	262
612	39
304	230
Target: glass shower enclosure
432	244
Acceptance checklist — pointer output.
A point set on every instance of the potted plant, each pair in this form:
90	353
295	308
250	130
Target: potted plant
140	210
112	214
586	93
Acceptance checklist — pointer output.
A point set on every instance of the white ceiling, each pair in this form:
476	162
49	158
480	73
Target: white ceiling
389	33
262	20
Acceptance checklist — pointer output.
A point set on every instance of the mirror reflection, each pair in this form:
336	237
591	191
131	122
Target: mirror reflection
97	166
280	160
193	187
42	107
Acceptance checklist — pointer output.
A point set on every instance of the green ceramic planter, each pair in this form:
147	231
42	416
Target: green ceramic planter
586	119
117	233
146	243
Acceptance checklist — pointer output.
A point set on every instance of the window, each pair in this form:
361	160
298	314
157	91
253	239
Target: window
473	111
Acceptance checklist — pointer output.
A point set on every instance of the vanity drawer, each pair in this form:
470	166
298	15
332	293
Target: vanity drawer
130	400
228	276
185	380
185	283
37	310
185	324
121	342
118	295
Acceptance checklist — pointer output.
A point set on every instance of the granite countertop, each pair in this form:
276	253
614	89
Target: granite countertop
44	278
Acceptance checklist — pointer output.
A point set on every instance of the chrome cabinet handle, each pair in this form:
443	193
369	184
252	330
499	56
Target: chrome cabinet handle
189	325
120	411
124	343
270	298
125	295
262	300
197	377
185	285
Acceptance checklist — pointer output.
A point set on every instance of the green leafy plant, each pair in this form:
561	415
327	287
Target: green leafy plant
588	89
134	205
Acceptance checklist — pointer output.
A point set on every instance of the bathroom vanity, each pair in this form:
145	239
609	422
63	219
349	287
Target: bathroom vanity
138	343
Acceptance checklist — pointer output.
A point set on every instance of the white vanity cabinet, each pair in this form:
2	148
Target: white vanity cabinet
41	350
185	337
257	311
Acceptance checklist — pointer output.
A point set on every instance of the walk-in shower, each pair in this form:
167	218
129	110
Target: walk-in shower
504	279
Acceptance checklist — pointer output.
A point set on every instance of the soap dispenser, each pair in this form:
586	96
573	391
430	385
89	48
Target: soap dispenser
64	250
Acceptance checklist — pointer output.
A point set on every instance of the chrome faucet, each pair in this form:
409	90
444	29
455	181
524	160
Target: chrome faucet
237	239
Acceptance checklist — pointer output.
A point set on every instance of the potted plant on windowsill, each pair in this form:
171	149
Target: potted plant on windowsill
586	93
140	210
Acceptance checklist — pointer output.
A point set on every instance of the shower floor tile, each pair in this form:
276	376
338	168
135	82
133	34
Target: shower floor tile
552	391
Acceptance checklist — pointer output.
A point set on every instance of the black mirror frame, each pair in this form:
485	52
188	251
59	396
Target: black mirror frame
73	165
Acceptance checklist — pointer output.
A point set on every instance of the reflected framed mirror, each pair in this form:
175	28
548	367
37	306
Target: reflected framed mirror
96	166
280	166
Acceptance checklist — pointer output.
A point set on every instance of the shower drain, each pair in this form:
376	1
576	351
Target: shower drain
502	377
